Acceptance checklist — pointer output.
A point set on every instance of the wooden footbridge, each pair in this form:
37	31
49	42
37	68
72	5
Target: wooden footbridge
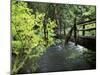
87	41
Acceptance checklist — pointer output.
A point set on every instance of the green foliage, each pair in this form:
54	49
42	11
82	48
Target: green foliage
64	15
28	41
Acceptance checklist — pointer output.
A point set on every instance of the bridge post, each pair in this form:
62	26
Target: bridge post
83	33
75	32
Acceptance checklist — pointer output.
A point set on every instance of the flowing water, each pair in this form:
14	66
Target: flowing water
69	58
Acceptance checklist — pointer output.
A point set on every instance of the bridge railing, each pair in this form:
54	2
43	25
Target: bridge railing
83	29
83	24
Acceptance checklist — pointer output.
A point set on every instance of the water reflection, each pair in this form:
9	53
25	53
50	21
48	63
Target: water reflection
59	58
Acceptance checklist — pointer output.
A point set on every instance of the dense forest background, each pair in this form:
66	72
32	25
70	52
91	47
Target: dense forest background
35	26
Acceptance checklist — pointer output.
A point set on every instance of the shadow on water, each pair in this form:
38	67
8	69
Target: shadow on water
71	57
